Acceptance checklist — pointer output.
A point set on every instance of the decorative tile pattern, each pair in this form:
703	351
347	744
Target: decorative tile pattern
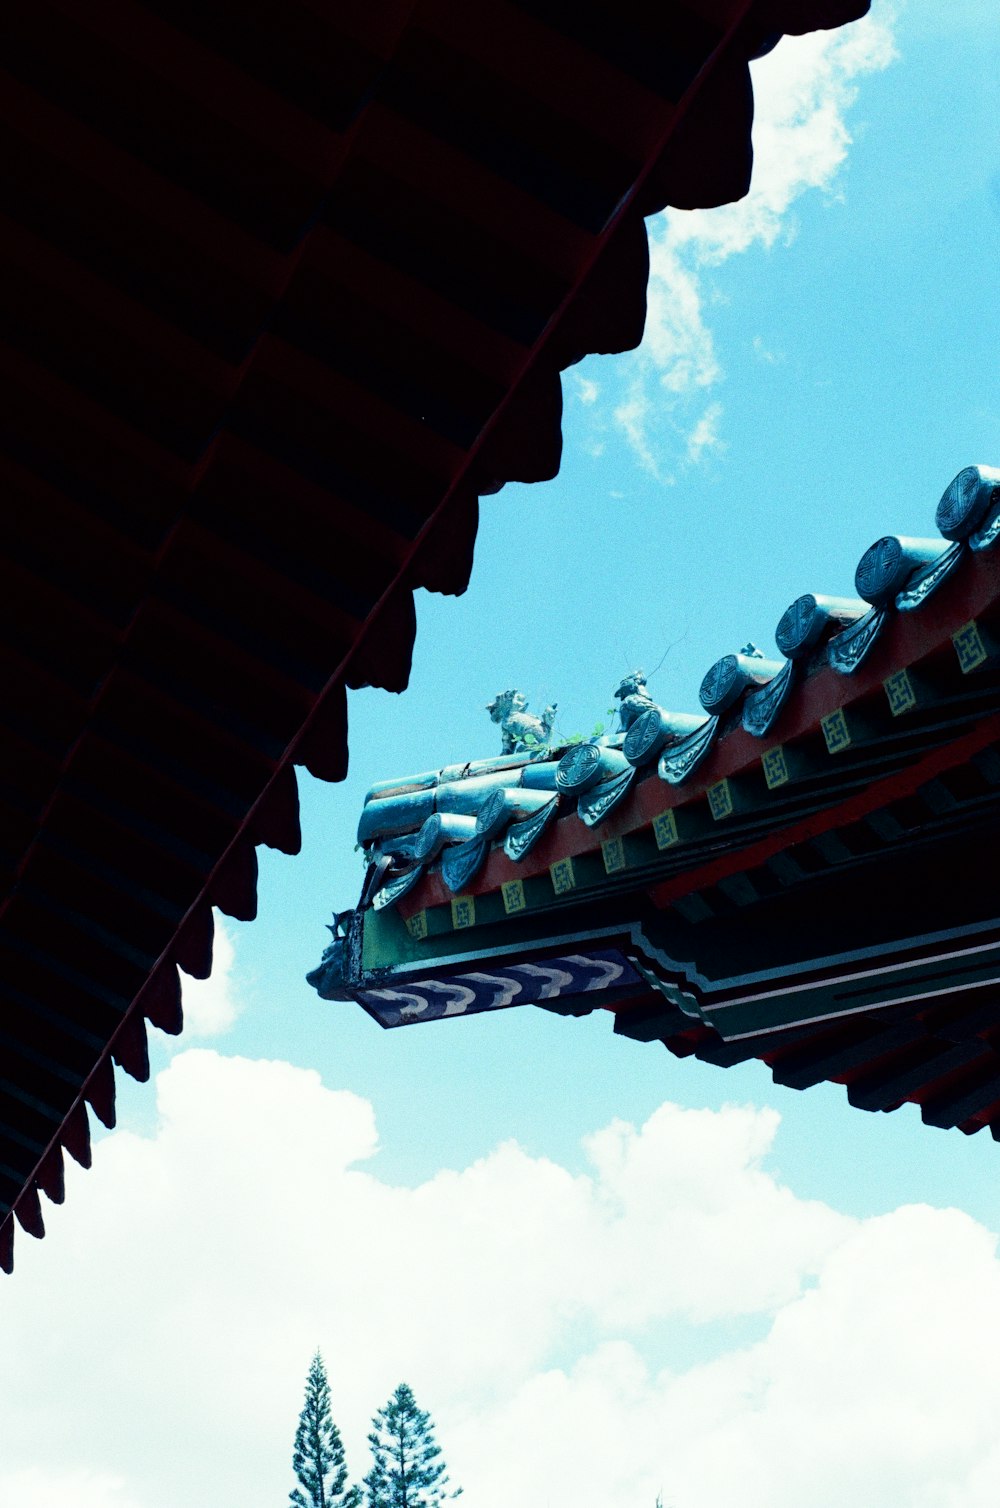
491	989
463	911
522	836
614	855
762	708
665	830
899	691
775	768
563	877
969	647
836	732
720	800
850	648
599	802
513	896
416	925
924	583
394	890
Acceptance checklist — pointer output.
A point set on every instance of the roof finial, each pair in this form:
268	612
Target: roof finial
523	732
634	698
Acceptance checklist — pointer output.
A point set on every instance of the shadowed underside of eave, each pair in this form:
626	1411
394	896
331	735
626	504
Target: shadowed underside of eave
284	294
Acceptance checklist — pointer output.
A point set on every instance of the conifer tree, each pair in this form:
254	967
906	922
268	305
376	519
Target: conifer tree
407	1471
318	1457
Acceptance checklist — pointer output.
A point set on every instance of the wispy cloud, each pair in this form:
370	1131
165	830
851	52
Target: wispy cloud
771	358
705	435
633	417
803	92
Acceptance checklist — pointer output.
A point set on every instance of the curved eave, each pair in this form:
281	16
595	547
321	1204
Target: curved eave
814	893
281	307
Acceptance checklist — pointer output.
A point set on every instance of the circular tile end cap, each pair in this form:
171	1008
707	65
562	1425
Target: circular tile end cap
579	767
429	839
721	685
490	817
881	570
966	501
646	737
800	626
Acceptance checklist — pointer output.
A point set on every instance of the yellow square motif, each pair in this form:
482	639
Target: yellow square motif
463	911
563	878
899	690
775	767
969	647
416	925
720	800
665	830
836	732
513	896
614	855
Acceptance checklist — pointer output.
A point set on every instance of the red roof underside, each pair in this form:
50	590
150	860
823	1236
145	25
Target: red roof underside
285	291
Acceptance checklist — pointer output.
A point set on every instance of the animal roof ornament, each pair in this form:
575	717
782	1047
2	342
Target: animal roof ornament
634	698
521	731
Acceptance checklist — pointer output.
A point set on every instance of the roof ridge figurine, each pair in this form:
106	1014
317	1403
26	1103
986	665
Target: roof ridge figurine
634	698
522	732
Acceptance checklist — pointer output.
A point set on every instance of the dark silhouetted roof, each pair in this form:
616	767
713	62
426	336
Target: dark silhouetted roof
286	288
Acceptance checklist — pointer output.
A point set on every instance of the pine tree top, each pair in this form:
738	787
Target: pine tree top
318	1453
406	1469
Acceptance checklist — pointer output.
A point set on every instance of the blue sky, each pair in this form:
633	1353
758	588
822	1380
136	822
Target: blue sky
820	362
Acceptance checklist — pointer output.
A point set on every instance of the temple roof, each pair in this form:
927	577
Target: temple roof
797	873
286	290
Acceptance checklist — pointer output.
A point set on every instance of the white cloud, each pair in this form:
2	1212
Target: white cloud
161	1332
771	358
210	1005
677	343
633	417
40	1487
586	389
705	435
803	92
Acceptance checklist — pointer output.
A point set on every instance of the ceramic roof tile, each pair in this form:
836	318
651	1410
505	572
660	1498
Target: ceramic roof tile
798	870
